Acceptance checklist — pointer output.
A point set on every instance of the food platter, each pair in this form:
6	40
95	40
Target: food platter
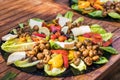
106	10
97	71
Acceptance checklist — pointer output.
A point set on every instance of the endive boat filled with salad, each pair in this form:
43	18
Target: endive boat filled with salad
61	46
98	8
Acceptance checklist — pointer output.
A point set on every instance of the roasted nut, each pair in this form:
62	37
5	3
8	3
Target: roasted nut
36	49
40	66
77	61
34	58
85	53
43	41
88	61
78	45
89	47
95	58
46	52
35	28
46	59
78	53
95	47
31	52
42	47
47	46
40	56
95	52
86	41
91	54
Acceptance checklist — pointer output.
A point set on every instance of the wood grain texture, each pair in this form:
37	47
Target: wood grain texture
21	10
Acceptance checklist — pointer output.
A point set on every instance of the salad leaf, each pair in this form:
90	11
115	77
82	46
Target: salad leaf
80	19
114	15
35	21
109	49
75	1
80	67
15	56
102	60
97	29
59	15
75	7
69	15
25	63
53	45
9	76
54	71
107	36
14	46
21	25
96	14
14	31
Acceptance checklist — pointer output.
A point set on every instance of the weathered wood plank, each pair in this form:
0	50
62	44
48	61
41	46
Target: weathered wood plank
10	10
10	70
3	67
47	11
9	3
22	76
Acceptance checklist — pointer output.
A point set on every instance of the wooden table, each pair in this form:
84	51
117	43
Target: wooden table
13	12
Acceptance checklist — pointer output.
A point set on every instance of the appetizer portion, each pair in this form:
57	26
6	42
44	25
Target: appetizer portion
98	8
59	45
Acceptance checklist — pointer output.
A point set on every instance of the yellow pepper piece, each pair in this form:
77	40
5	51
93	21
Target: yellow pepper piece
71	55
81	38
98	6
83	4
56	61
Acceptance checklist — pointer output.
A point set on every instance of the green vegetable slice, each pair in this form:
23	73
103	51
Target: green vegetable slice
102	60
80	67
53	45
109	49
107	36
114	15
69	15
14	46
97	29
80	19
59	15
9	76
96	14
21	25
54	71
25	63
75	7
